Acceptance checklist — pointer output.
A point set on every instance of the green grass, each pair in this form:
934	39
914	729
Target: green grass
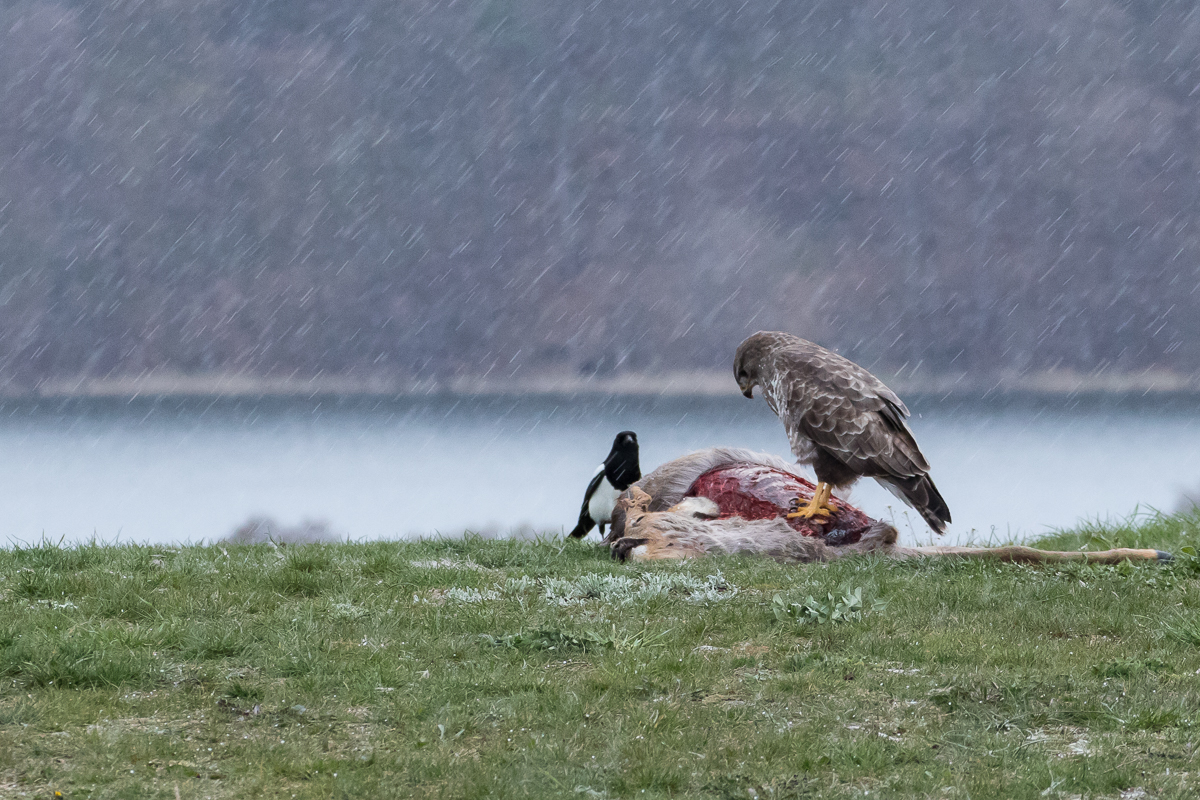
472	668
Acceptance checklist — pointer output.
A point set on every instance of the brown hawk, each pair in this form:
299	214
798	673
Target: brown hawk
839	418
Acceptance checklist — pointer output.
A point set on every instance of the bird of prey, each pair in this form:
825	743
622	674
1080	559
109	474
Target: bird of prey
611	478
839	418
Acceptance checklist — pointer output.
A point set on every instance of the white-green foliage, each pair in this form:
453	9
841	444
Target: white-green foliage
846	608
517	586
618	590
457	595
637	589
347	611
446	563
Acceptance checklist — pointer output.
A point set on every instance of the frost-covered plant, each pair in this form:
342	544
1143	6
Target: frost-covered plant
846	608
457	595
626	590
519	585
346	610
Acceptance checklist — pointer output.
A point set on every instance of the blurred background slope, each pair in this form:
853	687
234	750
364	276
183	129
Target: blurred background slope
436	191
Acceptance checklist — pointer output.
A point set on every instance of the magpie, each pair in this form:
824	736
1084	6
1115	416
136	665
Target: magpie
614	476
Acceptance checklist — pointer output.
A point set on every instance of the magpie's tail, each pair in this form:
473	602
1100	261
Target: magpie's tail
583	528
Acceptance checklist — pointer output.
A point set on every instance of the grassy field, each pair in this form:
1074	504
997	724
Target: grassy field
471	668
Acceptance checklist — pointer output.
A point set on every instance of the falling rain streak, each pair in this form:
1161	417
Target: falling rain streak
265	199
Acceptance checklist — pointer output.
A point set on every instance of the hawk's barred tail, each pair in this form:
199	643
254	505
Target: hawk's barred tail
921	494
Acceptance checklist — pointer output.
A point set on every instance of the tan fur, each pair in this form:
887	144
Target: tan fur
667	484
684	531
688	530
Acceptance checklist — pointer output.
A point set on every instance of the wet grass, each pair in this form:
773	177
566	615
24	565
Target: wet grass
474	668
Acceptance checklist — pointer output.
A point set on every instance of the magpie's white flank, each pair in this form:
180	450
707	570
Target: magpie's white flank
614	476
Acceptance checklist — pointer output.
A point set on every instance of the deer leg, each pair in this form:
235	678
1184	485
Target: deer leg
1029	555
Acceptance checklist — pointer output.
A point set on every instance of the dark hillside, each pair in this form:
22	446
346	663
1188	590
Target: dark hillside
430	190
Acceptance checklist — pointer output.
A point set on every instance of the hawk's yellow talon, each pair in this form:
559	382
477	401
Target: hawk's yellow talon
805	513
820	504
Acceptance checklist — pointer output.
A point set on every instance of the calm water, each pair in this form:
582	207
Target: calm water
186	472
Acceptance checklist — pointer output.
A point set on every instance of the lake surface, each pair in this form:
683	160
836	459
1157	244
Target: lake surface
173	472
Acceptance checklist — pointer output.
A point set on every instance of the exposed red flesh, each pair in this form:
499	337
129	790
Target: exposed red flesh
752	491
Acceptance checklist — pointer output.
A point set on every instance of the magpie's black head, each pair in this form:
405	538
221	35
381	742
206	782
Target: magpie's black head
625	440
622	467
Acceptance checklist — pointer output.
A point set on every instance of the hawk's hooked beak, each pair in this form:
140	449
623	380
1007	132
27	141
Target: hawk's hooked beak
748	391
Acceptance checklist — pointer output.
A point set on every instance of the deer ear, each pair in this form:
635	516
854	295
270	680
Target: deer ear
637	497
